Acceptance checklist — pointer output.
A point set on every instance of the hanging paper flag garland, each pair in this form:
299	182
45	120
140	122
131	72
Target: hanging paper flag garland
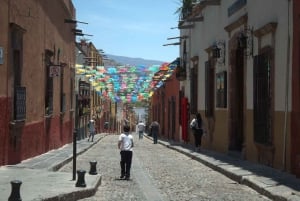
127	83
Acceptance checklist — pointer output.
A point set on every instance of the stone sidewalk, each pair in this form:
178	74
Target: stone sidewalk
41	180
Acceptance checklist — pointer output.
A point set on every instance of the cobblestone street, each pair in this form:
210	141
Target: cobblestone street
156	177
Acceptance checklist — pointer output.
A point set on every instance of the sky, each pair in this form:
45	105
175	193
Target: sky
131	28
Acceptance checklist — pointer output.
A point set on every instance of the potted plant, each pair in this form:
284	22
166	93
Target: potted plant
186	8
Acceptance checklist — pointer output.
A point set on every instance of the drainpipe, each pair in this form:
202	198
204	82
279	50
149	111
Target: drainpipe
286	91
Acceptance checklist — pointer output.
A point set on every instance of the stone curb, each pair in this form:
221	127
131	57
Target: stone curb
76	195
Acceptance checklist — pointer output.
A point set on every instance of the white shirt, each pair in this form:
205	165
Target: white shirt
126	140
92	125
194	123
141	126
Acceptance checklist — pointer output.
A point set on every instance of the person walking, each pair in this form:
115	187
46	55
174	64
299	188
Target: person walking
92	129
154	129
141	129
197	126
125	144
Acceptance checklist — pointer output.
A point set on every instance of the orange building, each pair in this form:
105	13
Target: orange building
165	108
36	77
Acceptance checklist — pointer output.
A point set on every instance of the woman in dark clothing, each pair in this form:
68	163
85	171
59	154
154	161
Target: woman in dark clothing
197	126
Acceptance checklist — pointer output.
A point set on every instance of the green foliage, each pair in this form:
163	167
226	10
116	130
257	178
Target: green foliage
185	8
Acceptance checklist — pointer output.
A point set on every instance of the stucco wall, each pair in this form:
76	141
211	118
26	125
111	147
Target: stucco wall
44	28
217	25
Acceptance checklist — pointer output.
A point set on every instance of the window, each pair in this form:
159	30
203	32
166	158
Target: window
184	56
181	66
221	89
19	99
194	90
72	92
63	103
181	96
49	84
62	94
262	98
209	89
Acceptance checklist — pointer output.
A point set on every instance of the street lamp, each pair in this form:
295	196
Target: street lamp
77	32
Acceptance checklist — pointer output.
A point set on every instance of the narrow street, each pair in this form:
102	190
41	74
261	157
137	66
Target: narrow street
156	177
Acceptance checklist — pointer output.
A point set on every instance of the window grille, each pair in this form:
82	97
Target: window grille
262	99
20	103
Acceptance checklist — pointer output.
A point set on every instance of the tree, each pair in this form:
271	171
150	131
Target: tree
186	8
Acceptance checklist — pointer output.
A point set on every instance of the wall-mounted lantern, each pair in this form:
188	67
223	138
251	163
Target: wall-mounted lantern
218	51
242	41
245	41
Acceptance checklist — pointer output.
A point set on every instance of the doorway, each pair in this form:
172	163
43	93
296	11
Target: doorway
236	96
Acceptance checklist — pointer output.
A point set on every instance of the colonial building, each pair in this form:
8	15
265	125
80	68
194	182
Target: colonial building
240	69
36	77
91	99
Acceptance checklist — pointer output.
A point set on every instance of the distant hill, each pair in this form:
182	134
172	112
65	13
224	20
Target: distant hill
121	60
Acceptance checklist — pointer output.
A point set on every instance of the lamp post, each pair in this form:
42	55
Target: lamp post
76	32
218	51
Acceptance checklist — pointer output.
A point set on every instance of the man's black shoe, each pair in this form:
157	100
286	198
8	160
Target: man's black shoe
122	177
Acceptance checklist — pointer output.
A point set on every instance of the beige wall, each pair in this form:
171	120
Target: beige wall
278	136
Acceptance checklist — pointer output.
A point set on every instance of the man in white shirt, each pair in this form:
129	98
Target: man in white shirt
125	144
141	128
92	129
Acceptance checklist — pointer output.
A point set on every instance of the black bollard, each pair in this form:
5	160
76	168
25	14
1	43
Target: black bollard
93	169
15	191
80	181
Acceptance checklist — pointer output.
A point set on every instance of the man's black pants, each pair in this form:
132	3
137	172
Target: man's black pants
126	158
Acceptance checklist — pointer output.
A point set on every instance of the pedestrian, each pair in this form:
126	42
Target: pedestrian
125	144
154	129
141	128
92	129
197	126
